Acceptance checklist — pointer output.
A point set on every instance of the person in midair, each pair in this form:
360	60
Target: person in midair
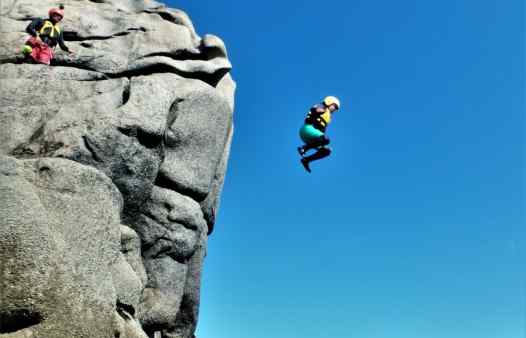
312	133
45	35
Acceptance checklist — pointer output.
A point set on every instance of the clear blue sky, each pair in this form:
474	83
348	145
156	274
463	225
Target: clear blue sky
415	227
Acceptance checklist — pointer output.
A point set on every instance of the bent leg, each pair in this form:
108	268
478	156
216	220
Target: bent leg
321	141
321	153
42	54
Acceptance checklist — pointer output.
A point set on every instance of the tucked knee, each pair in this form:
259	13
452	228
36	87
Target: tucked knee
326	151
324	140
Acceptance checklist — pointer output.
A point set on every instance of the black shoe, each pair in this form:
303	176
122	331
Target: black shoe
305	164
301	151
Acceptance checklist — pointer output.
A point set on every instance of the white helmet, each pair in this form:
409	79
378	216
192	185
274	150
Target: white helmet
331	100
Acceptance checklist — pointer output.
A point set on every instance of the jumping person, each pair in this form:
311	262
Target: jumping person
313	131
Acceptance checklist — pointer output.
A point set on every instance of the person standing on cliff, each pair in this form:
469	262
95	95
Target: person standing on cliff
312	133
45	35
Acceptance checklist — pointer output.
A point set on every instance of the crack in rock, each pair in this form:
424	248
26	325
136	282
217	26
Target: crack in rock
19	319
74	36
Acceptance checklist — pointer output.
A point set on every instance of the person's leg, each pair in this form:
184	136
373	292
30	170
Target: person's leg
321	153
42	54
312	137
46	55
321	141
318	155
35	53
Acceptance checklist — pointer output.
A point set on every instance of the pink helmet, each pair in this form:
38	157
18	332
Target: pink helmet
59	11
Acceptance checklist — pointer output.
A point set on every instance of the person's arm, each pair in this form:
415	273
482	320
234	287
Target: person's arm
313	114
317	109
61	42
34	26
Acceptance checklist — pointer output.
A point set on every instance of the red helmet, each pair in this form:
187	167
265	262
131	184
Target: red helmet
59	11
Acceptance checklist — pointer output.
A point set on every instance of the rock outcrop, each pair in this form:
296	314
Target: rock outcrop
112	162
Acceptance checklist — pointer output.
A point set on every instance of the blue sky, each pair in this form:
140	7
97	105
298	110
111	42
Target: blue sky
415	226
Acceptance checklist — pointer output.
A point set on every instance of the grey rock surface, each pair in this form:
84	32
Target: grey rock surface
114	162
60	254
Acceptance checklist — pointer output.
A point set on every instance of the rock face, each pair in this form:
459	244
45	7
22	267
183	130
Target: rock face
112	162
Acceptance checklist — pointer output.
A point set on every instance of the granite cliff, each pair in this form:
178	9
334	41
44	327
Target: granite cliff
112	162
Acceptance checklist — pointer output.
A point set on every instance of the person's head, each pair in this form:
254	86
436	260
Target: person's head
332	102
56	14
